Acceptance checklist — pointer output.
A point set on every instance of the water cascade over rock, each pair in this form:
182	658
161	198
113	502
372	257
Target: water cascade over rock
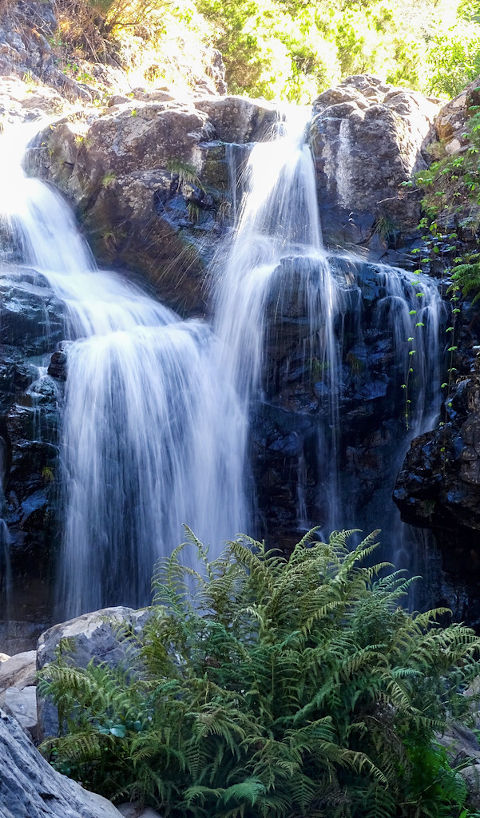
290	410
337	360
148	434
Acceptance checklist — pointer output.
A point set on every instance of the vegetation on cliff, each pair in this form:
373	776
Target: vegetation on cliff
277	49
279	687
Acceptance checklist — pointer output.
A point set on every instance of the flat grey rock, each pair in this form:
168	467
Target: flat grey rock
22	705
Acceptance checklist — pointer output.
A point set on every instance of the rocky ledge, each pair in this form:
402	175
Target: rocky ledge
368	139
149	179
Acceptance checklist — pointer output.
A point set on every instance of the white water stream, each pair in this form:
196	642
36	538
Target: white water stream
278	221
149	436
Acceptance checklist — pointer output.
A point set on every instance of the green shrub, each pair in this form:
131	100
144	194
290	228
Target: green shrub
273	687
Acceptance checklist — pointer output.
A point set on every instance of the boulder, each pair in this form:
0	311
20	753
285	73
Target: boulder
463	751
30	788
137	811
21	703
98	636
239	120
134	174
368	139
17	671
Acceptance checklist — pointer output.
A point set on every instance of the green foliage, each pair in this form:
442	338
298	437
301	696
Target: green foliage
292	49
466	276
186	172
452	184
268	686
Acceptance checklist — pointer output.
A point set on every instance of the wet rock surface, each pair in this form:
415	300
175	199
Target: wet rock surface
438	487
31	325
289	423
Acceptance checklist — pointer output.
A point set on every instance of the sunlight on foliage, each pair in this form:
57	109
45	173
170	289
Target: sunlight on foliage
288	49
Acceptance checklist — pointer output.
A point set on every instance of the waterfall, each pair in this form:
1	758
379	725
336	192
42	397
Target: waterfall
277	263
279	279
157	412
149	432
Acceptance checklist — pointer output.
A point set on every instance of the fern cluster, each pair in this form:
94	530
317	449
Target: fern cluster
268	686
466	277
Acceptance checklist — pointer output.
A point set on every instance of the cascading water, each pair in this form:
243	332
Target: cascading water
149	437
276	257
157	411
277	267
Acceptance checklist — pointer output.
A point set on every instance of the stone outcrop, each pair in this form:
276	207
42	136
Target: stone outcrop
451	121
96	636
30	788
149	180
438	487
368	140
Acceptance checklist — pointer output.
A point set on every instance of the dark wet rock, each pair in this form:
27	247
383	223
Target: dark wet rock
438	487
57	367
31	317
292	426
367	140
18	636
439	483
31	326
30	787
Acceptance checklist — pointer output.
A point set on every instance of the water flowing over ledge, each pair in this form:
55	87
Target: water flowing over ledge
157	412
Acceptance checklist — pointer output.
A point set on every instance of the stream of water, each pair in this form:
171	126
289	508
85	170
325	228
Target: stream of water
149	433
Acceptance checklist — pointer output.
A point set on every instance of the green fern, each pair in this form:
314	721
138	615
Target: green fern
275	687
467	277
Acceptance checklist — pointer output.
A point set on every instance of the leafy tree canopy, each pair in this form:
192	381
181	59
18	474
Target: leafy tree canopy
294	49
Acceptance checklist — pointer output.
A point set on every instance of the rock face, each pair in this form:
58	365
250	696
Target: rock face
31	325
26	53
94	636
367	140
30	788
150	182
438	487
289	423
451	120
